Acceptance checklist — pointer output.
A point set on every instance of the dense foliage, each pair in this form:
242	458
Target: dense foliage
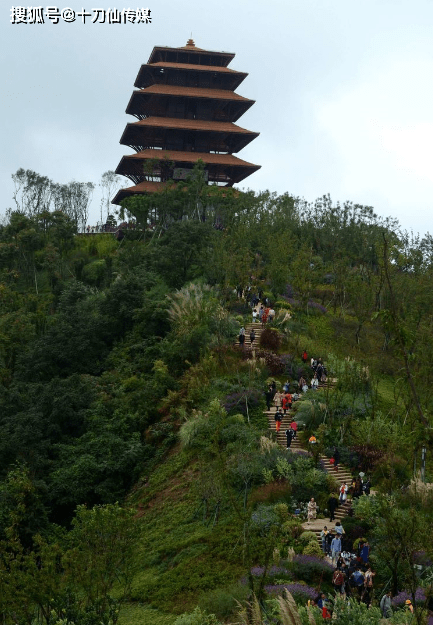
120	382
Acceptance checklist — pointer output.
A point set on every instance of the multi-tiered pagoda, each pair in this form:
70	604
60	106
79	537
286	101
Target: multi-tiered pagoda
186	107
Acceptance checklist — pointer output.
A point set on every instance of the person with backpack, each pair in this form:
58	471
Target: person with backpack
294	427
338	580
278	418
385	605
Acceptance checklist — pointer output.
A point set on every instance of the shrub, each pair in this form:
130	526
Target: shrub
237	402
223	602
311	568
355	527
270	339
197	617
313	549
393	472
272	361
306	537
282	304
292	528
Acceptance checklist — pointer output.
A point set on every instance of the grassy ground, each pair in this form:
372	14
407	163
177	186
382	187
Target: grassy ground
183	554
141	614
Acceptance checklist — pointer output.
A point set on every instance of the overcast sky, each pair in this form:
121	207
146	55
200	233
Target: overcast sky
343	90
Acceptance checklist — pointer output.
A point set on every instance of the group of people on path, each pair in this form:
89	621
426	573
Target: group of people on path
264	315
242	336
353	577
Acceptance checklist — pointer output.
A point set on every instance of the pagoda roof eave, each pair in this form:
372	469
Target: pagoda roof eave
221	167
193	92
146	73
143	187
150	102
224	57
163	131
191	157
146	187
190	124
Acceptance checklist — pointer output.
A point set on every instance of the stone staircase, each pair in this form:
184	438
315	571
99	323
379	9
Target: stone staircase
343	474
258	329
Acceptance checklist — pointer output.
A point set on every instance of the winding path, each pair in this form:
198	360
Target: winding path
343	475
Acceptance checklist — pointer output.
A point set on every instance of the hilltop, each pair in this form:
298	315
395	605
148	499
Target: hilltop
138	467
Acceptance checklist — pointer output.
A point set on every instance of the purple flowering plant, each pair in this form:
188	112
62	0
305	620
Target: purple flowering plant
311	569
300	592
400	599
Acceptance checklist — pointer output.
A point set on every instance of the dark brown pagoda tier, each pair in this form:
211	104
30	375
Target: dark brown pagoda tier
186	135
190	54
139	189
204	76
222	168
187	103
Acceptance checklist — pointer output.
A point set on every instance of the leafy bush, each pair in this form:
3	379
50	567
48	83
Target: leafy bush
348	455
223	602
272	361
282	303
313	549
238	401
307	536
270	339
197	617
311	568
355	527
393	472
